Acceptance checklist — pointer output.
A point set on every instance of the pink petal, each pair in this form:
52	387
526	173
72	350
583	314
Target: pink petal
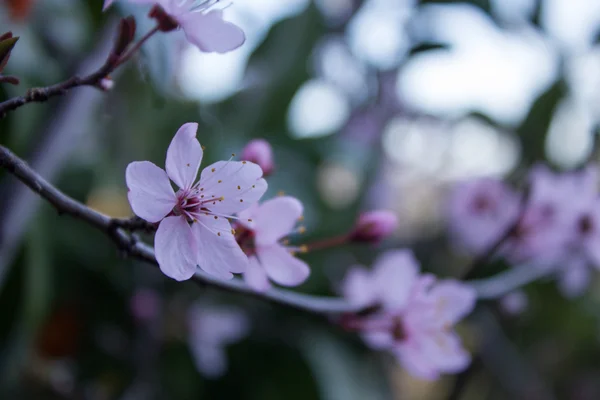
395	273
184	156
218	252
247	218
358	287
454	300
275	219
210	32
418	366
446	351
281	266
238	183
175	248
150	193
256	277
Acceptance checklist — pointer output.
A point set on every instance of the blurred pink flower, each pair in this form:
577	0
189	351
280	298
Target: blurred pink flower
561	216
259	151
211	329
416	314
193	222
374	226
269	223
480	211
202	25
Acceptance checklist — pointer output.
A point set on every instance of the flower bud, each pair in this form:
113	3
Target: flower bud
259	152
374	226
127	27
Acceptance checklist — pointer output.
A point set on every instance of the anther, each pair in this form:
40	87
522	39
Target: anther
239	187
233	231
301	229
216	217
212	170
241	200
218	233
243	162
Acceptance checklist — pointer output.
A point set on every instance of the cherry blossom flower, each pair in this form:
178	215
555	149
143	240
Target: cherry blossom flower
266	227
480	211
212	329
415	315
201	22
560	218
194	227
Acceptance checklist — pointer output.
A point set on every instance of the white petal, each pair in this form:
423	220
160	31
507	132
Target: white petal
184	156
150	193
281	266
276	218
218	252
238	184
175	248
256	277
210	32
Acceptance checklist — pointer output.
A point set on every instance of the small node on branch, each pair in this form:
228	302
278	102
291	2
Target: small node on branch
37	94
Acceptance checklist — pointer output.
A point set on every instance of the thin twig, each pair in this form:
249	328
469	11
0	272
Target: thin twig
66	205
38	95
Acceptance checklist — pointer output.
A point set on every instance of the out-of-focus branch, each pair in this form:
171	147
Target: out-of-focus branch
117	56
506	282
125	242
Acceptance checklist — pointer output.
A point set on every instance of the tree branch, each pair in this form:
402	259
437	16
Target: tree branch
113	61
114	228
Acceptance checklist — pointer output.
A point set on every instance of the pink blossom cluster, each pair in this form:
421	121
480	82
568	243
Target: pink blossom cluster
555	225
414	314
194	225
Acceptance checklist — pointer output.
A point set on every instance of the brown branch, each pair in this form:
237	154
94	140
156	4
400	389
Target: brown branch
117	56
114	228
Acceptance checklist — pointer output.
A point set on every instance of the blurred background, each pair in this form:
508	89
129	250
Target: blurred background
368	104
